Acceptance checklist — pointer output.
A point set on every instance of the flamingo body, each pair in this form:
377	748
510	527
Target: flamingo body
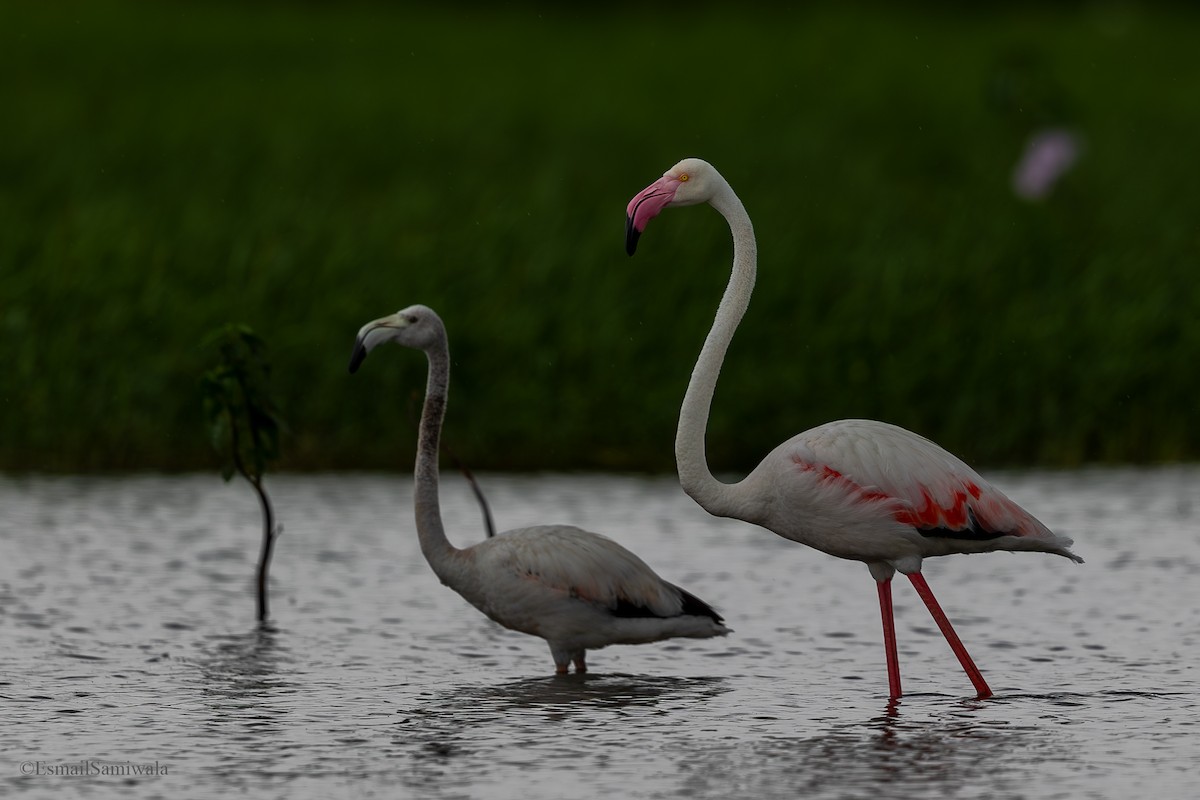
875	492
855	489
576	589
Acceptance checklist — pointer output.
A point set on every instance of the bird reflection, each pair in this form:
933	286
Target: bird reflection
905	750
474	717
591	691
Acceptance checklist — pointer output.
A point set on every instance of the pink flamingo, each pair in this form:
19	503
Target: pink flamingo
855	489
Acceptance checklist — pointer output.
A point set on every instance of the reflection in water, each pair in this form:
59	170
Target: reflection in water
474	734
948	754
590	691
241	681
560	698
243	664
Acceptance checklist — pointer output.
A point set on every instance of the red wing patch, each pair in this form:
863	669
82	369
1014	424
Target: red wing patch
928	517
851	487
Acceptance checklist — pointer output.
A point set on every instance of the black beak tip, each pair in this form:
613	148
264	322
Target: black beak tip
631	236
357	357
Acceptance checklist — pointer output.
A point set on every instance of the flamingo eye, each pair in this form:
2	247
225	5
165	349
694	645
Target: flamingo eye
683	178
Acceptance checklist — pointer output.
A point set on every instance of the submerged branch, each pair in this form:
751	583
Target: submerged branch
271	532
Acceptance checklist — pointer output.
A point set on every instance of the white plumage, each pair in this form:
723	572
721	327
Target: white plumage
576	589
875	492
855	489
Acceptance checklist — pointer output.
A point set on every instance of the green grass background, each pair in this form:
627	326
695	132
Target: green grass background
166	167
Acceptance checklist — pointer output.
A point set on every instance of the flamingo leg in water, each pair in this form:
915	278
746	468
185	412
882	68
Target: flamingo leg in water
939	616
889	637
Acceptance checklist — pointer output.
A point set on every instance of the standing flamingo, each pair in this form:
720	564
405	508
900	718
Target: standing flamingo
855	489
575	589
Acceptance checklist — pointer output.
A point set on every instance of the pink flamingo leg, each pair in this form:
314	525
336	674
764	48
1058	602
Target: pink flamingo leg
939	616
889	637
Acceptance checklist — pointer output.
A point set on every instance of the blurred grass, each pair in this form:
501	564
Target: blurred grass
168	167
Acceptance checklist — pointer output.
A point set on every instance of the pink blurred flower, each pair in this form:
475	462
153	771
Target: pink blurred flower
1048	155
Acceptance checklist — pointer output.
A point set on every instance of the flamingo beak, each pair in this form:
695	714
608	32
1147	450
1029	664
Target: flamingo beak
645	206
364	341
358	356
632	235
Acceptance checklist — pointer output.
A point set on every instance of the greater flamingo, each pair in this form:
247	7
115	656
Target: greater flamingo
855	489
575	589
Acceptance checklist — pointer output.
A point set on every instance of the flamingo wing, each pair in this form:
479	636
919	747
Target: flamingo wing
922	484
595	569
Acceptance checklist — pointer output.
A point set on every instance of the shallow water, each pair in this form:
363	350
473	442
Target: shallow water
128	643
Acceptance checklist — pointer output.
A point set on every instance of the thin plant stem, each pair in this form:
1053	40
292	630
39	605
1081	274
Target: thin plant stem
270	533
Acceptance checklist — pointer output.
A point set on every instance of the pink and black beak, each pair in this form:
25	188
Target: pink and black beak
358	355
645	206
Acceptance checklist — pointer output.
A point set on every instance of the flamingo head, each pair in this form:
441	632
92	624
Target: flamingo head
418	327
688	183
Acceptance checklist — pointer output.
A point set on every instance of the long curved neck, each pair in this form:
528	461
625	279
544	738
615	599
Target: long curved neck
430	531
694	475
